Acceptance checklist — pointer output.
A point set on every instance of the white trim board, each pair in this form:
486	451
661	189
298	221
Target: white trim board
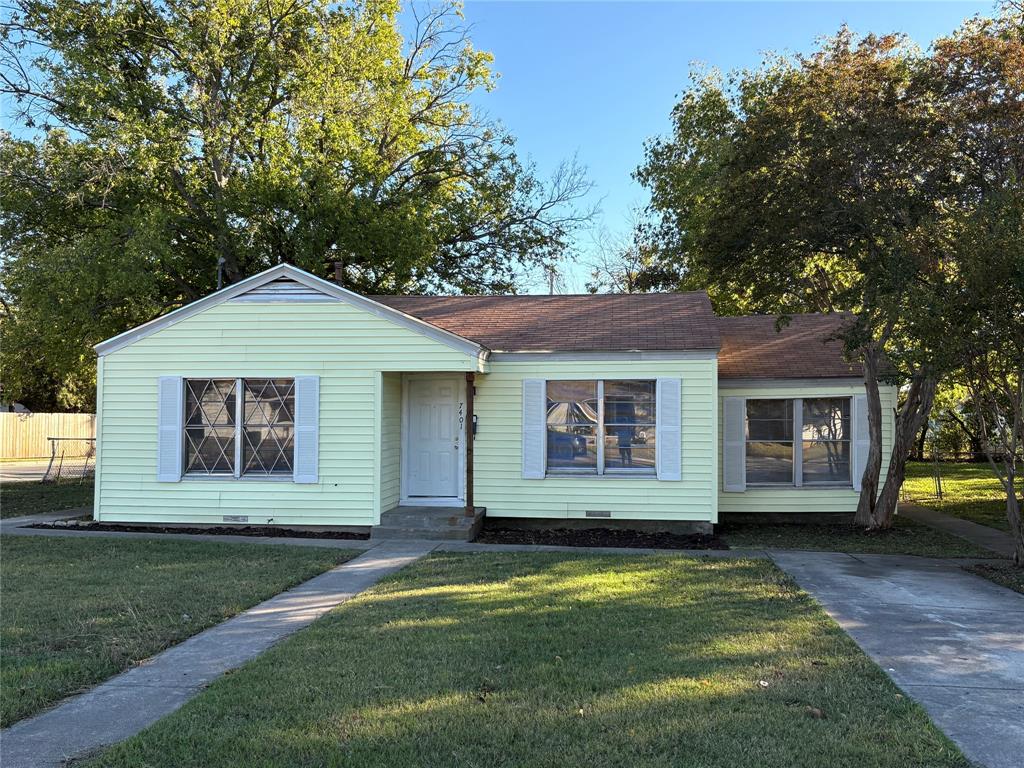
851	381
569	357
328	289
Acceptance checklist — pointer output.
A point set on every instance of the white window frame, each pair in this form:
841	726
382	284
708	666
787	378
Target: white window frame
798	444
236	473
599	436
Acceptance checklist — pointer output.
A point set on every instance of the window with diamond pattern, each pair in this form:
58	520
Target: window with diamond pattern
269	427
221	439
210	426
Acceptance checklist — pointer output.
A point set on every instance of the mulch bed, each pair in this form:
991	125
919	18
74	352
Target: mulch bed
600	537
248	530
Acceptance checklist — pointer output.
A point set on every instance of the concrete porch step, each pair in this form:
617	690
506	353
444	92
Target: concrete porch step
430	523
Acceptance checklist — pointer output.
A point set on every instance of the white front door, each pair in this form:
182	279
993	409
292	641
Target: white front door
432	450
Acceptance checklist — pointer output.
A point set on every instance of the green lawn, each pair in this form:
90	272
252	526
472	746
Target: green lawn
76	611
34	498
905	538
970	491
557	660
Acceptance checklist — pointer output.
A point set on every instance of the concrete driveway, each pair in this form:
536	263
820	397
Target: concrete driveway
16	471
951	640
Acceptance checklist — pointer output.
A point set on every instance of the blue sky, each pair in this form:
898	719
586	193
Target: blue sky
596	79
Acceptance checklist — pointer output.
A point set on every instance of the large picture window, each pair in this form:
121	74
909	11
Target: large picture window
801	441
236	427
601	427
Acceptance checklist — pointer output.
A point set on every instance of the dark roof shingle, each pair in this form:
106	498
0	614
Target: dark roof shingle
753	349
580	323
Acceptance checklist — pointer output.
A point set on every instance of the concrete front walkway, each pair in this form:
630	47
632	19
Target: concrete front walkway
990	538
953	641
129	702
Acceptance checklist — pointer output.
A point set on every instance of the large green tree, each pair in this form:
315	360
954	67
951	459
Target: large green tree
161	144
992	316
981	72
847	180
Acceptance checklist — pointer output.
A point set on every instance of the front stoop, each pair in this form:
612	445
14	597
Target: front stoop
429	523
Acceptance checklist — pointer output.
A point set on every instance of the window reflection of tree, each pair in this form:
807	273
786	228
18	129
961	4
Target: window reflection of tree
824	420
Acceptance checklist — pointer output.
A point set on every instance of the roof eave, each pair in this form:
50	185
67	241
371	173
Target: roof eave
603	354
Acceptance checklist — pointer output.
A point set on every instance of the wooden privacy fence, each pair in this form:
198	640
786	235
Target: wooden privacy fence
25	435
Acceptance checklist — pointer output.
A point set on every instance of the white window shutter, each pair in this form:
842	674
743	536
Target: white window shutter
669	429
170	414
861	438
307	429
535	428
734	444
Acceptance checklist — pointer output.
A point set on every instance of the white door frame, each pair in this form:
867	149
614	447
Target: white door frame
434	501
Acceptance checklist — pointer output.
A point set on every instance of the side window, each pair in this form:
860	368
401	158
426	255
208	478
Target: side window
809	434
269	415
236	427
572	426
826	440
770	441
629	428
210	428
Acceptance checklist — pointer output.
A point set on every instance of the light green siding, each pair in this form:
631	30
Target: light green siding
360	358
345	346
785	500
391	441
499	485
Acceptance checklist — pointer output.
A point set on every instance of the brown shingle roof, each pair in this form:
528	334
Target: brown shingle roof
582	323
752	349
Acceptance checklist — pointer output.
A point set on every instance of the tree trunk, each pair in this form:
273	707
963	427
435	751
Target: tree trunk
922	438
1016	525
876	509
873	466
973	439
977	450
1013	512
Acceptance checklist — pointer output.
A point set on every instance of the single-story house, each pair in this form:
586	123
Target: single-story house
286	399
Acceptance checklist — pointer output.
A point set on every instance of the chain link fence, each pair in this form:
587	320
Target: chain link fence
72	459
923	492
